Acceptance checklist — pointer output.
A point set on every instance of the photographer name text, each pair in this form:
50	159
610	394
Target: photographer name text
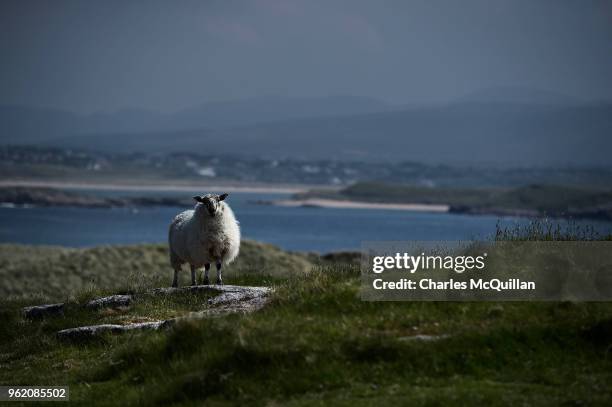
405	262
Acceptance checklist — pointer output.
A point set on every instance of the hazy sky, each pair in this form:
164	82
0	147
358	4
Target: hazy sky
105	55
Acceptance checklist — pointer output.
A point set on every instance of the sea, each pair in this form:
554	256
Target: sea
312	229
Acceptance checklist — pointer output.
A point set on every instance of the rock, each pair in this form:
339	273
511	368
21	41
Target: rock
232	299
424	338
190	288
41	311
86	332
234	293
112	301
238	299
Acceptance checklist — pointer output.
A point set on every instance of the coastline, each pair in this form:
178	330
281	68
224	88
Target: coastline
294	192
155	186
339	204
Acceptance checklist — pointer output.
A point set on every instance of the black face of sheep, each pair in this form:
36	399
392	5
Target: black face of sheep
211	201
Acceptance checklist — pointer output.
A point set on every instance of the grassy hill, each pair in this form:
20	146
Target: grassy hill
56	273
316	343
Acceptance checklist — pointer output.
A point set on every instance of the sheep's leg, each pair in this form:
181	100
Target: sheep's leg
206	270
175	279
193	274
219	277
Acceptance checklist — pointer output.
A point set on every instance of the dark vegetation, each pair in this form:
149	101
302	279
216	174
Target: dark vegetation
317	342
40	196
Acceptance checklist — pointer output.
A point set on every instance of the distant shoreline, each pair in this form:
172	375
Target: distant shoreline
551	201
336	203
271	189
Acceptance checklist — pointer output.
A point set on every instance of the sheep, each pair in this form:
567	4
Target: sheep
206	234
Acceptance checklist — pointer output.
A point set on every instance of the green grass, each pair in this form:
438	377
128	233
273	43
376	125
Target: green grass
144	308
318	343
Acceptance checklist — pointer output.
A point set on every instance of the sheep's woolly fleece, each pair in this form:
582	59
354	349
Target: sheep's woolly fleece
197	238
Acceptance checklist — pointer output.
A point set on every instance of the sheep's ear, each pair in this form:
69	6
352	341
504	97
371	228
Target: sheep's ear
222	197
197	198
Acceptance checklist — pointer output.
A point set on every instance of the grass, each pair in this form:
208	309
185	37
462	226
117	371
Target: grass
145	308
544	230
317	343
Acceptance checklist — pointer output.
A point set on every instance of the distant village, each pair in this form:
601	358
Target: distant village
42	162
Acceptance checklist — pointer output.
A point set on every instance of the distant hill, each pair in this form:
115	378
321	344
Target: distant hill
520	94
500	125
20	124
459	133
270	109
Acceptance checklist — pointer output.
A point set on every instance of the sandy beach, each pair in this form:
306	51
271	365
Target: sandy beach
333	203
187	187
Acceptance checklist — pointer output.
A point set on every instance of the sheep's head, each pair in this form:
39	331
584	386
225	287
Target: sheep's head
211	202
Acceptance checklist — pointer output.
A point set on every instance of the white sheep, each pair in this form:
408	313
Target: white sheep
206	234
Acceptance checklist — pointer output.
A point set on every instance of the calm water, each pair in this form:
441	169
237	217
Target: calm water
304	229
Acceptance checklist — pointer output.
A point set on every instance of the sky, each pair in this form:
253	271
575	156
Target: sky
89	56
